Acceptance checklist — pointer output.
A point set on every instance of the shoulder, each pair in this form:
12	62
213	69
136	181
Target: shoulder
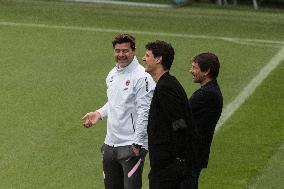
212	90
166	79
139	73
167	85
208	95
111	73
169	82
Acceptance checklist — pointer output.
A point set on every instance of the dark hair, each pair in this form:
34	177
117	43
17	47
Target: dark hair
163	49
124	38
208	61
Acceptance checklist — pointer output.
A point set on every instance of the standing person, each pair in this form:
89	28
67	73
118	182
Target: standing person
206	104
169	120
129	91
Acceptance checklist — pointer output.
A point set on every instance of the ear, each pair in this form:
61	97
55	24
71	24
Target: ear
207	73
159	59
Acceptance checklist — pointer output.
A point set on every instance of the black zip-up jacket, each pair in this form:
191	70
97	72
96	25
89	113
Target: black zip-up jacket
206	104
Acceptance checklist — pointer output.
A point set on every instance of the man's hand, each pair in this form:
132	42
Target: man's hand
91	119
136	149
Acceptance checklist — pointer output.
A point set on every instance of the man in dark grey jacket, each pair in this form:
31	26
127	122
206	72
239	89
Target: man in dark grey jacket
206	104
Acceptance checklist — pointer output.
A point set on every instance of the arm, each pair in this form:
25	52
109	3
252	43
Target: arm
206	112
144	93
93	118
174	108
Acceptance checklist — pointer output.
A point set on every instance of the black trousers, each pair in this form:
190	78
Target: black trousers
168	177
122	169
191	180
172	177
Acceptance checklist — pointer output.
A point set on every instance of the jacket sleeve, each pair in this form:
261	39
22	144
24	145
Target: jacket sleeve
103	110
144	92
173	107
206	112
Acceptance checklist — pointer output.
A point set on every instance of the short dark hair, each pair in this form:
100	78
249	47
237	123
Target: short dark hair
124	38
208	61
163	49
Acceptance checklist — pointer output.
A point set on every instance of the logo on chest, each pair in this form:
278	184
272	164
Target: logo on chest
126	85
111	79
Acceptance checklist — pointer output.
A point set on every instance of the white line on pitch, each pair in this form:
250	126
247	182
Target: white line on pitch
230	39
137	4
250	88
270	167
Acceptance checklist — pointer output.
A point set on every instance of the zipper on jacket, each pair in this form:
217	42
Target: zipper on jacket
132	122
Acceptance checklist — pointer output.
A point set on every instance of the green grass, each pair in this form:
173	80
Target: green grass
215	22
50	77
269	176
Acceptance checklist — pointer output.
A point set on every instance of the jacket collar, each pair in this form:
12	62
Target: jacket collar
212	82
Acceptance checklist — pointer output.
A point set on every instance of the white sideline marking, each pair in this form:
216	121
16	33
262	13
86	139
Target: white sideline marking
256	44
268	168
136	4
250	88
230	39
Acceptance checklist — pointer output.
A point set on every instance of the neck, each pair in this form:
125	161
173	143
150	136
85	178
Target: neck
205	81
156	76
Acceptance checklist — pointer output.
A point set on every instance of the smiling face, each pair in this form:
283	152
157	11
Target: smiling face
150	62
198	76
123	54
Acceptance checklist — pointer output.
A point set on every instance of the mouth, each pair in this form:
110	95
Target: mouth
121	59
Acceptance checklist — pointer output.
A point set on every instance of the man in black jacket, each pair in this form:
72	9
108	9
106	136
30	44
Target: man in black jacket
206	104
169	123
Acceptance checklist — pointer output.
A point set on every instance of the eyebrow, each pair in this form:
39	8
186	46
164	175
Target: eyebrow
121	49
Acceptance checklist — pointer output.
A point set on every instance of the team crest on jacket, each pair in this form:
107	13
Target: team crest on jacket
127	82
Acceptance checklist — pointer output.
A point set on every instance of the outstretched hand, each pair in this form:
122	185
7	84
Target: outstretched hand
91	119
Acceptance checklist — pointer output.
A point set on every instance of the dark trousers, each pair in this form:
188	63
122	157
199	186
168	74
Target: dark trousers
122	169
191	180
168	184
167	177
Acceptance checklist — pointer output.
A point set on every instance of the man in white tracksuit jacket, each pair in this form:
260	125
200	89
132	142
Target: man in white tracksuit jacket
129	91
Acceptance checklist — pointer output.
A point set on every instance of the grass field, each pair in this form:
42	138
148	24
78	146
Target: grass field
54	60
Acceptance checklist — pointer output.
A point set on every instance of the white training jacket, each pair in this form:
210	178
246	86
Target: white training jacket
129	92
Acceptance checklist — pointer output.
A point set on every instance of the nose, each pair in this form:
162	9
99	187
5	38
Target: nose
120	53
143	59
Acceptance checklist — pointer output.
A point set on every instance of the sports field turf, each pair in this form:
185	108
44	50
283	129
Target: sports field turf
54	57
